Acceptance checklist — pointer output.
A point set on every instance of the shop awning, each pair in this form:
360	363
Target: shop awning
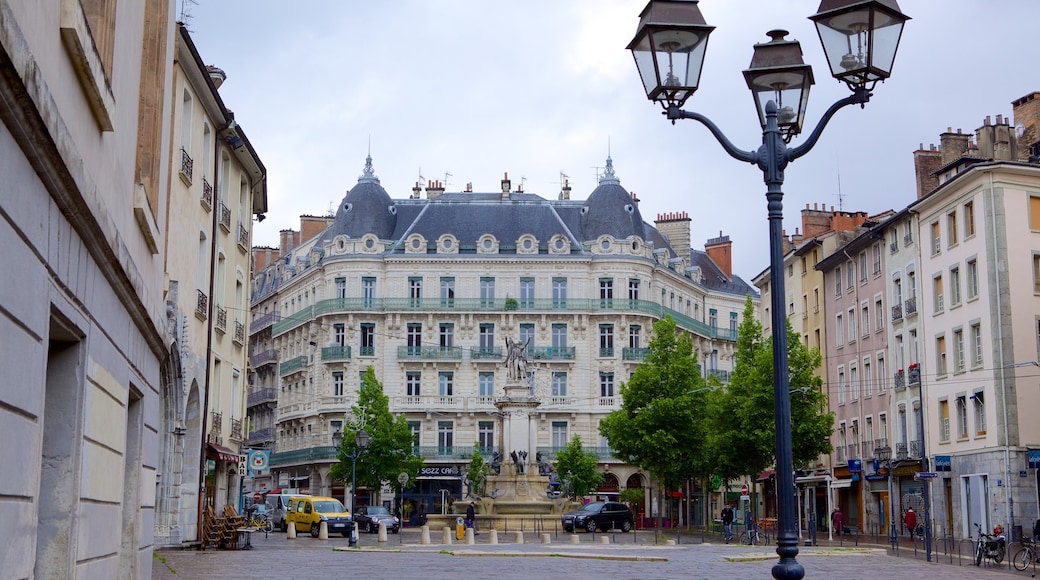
223	453
764	475
841	483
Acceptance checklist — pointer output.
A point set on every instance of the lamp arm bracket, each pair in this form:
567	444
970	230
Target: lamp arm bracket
860	96
673	112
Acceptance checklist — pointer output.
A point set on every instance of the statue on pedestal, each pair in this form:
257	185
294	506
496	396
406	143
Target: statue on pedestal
516	359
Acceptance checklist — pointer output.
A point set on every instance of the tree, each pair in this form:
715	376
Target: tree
661	425
743	434
389	451
578	468
476	477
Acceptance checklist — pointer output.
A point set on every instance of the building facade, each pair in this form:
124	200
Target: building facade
83	132
425	291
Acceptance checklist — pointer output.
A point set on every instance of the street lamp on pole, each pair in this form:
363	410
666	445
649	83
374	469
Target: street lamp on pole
360	442
859	38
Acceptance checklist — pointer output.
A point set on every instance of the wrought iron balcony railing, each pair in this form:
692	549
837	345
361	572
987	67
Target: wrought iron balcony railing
207	195
335	353
186	165
292	365
202	305
264	395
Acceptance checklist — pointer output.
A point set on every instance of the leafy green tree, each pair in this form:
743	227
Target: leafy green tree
661	425
389	451
578	468
743	434
476	477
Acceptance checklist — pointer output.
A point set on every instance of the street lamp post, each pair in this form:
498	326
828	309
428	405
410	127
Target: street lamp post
360	442
884	457
859	38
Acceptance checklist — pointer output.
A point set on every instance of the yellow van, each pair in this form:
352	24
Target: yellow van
307	513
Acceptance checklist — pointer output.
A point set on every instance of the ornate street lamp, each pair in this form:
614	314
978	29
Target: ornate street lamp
360	442
860	38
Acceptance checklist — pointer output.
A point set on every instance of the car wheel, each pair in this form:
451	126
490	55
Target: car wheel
315	530
368	527
590	526
626	526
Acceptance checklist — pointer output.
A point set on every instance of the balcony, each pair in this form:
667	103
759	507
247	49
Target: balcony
549	453
608	402
893	247
723	376
264	395
911	306
292	365
901	453
438	403
207	195
551	353
243	237
635	354
443	451
429	353
335	353
236	428
202	305
899	380
240	333
914	375
878	444
366	351
606	352
260	436
225	218
897	312
867	447
914	449
853	451
839	455
486	353
264	358
261	322
323	453
908	239
221	323
186	167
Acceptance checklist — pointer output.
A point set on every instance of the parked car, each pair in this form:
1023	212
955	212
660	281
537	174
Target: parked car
277	505
602	515
368	517
306	514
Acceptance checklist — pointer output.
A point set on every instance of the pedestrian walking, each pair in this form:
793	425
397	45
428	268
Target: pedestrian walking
836	520
471	518
727	523
910	519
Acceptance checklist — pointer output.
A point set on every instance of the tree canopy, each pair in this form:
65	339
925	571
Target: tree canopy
661	425
743	432
476	476
389	451
577	468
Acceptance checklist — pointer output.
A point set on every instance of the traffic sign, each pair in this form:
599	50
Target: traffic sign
926	475
744	489
257	497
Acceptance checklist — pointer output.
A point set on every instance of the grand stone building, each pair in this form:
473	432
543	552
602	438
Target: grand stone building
426	291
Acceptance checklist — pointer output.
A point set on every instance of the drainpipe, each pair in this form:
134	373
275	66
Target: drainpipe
1003	370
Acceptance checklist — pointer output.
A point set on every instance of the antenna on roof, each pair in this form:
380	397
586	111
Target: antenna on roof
446	176
839	195
596	168
563	178
522	180
422	180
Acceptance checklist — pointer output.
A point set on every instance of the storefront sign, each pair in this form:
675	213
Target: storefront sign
1034	458
439	471
877	477
943	462
855	465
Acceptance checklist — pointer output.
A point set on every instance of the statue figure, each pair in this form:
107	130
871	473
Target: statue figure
516	359
543	465
519	459
496	463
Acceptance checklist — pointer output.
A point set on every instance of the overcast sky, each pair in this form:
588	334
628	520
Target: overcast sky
464	90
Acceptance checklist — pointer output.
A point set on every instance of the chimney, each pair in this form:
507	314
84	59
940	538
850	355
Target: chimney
434	189
926	162
720	250
1026	111
262	257
953	145
289	240
416	190
216	75
565	192
311	226
815	221
506	184
995	141
676	227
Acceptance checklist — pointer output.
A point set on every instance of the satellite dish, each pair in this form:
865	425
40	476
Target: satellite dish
1020	129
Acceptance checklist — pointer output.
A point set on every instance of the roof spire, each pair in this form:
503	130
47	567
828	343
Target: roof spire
368	176
608	176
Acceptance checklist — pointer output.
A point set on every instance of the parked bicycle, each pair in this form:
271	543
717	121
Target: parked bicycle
751	537
1029	554
990	546
259	522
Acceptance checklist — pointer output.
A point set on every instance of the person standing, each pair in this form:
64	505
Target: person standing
910	519
836	520
471	518
727	522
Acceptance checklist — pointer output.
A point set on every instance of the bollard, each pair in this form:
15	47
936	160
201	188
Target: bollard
290	532
575	539
446	537
518	537
469	536
494	537
669	542
546	539
382	533
323	530
604	539
424	536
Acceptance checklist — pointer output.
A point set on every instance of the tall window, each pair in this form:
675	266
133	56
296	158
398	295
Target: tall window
955	286
486	434
368	291
951	229
862	267
733	320
854	381
559	335
446	383
445	437
559	384
341	288
606	385
842	394
414	291
940	355
368	339
559	434
850	276
606	292
412	381
415	427
868	379
865	319
487	291
339	334
559	292
633	289
936	248
337	384
527	336
839	330
1036	273
882	373
944	420
448	291
1034	212
447	334
973	279
526	292
606	340
487	337
713	318
958	350
879	314
876	254
980	413
969	219
414	338
962	418
937	287
486	384
976	342
851	321
837	281
633	335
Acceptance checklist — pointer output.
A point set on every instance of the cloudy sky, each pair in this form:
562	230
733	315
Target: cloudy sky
463	91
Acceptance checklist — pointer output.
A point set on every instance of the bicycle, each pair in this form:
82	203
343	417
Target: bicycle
1029	554
751	537
259	522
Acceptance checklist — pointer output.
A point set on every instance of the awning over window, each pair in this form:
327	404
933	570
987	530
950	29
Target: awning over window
223	453
841	483
764	475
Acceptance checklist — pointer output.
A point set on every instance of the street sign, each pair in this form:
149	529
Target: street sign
744	489
926	475
402	478
257	497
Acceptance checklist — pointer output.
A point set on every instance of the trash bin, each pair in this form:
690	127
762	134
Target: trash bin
460	528
1016	533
